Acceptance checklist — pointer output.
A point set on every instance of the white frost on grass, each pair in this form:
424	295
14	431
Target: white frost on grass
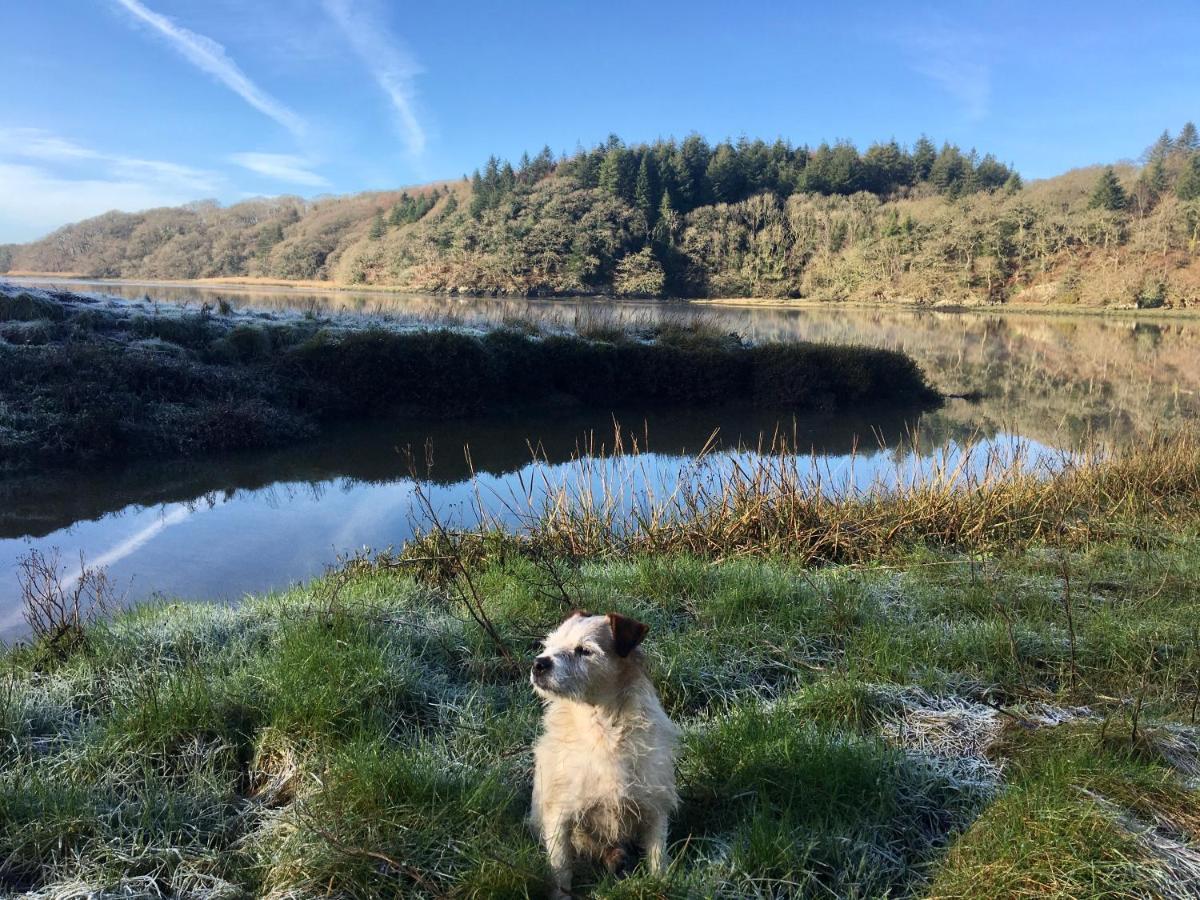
341	321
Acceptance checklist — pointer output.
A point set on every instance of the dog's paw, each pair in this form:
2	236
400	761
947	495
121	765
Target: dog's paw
618	861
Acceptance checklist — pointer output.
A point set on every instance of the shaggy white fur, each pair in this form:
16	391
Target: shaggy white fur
604	779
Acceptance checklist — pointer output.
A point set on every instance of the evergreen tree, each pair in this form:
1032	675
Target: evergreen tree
754	165
1188	140
950	172
645	190
617	173
507	181
885	168
1188	187
923	156
1013	183
478	195
1155	177
1160	149
378	228
834	170
691	173
542	165
991	174
399	211
1108	193
724	175
666	231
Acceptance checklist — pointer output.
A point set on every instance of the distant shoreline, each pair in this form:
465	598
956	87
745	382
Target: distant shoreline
327	287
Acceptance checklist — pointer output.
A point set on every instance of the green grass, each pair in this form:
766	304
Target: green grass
361	736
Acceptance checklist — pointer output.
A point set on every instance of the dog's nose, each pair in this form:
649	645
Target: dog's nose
542	664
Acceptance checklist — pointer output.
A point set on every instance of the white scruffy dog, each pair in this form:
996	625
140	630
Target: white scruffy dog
604	779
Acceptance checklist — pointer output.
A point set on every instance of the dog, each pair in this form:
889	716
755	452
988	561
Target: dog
604	766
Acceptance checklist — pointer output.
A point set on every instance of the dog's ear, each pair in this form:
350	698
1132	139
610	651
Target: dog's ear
627	633
579	612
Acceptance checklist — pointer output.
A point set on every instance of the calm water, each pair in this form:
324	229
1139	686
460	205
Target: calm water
219	527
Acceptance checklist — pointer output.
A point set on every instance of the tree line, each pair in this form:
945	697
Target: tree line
1170	165
677	177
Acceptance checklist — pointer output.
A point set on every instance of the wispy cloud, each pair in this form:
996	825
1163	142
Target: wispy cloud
33	143
46	180
281	167
956	60
393	67
209	56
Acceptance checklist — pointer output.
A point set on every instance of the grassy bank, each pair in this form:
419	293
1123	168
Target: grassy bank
166	381
1004	709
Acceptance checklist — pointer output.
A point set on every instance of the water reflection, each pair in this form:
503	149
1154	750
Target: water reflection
223	527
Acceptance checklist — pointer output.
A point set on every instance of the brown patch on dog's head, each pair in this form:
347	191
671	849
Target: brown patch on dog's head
583	613
627	633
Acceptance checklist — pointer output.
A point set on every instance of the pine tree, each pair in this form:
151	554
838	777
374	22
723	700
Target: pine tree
1160	149
508	180
991	174
1013	183
1155	177
725	175
667	228
885	168
1188	140
645	189
1188	187
617	175
923	156
542	165
691	173
950	172
1108	193
378	228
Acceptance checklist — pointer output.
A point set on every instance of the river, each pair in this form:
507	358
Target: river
218	527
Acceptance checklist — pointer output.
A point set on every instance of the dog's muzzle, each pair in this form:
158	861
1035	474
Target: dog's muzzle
542	665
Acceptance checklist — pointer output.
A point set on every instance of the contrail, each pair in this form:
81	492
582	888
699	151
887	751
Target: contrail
209	56
392	67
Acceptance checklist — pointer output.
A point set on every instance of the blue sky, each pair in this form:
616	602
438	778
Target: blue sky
129	104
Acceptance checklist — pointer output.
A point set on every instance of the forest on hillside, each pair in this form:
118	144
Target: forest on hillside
690	219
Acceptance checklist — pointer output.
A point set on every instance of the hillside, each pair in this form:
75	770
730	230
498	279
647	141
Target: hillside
734	220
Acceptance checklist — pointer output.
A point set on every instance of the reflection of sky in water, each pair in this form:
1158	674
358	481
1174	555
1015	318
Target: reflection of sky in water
248	541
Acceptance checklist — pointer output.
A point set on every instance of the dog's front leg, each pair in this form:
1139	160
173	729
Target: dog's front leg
654	842
560	852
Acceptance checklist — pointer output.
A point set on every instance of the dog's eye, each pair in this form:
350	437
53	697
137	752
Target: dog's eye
582	651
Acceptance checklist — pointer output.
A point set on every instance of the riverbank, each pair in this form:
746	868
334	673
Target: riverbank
1003	709
166	380
1015	306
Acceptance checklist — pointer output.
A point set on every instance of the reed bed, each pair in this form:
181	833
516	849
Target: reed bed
975	497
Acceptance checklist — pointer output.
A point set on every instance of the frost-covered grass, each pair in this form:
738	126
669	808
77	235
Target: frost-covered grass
909	729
